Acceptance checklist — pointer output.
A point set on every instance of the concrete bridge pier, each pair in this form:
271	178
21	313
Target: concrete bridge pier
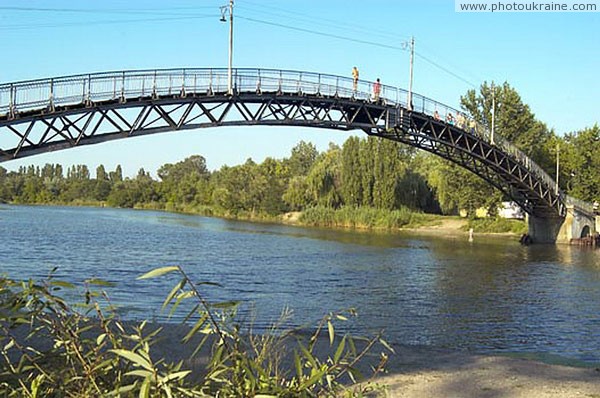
544	230
578	223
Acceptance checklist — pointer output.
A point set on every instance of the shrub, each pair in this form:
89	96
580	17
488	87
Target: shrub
497	225
90	352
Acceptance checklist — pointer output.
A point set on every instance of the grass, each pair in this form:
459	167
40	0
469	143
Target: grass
365	218
497	225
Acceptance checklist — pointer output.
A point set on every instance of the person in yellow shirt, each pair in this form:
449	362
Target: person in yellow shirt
354	78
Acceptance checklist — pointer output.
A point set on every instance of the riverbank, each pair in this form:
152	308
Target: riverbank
417	371
360	219
426	372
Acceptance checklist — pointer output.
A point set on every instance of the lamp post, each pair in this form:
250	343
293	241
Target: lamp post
410	45
224	10
493	112
557	166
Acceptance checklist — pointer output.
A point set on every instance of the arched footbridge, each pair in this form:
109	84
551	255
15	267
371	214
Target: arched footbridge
52	114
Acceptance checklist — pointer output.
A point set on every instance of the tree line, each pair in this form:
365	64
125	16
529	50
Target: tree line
363	173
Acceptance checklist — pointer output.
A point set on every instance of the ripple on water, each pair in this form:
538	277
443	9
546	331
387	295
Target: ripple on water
489	296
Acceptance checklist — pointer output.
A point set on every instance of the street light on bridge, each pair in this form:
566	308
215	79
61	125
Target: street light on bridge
410	45
225	10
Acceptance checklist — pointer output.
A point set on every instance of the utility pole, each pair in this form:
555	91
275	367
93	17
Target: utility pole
557	165
229	71
410	82
224	10
493	111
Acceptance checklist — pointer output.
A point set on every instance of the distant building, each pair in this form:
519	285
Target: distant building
506	210
511	210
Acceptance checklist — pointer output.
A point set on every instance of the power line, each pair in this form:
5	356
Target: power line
102	10
449	63
111	22
330	22
445	69
366	42
179	16
346	26
371	43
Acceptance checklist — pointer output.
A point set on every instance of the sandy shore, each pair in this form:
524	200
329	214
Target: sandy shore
427	372
424	372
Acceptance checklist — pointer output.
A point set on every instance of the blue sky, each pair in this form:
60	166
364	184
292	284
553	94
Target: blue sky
551	59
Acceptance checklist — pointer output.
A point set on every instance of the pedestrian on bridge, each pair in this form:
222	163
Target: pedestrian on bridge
354	78
376	90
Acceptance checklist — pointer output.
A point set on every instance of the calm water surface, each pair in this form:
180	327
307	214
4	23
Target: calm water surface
491	296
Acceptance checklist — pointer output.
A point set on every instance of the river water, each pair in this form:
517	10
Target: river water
489	296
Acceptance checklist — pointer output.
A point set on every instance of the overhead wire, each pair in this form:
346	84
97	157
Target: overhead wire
90	23
346	27
335	36
371	43
297	16
285	13
100	10
449	63
433	63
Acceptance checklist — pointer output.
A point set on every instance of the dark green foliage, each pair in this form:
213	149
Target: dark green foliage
580	159
302	158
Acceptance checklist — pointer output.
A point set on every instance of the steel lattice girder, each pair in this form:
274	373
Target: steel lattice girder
480	157
42	131
64	128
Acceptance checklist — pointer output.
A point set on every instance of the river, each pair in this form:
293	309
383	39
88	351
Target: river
489	296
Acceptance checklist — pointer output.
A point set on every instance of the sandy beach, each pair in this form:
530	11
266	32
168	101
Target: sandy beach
423	372
428	373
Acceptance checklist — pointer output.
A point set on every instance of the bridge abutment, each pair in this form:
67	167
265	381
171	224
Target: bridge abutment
545	230
576	224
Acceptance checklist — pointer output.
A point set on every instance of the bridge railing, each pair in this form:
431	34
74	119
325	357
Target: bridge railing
579	204
31	95
39	94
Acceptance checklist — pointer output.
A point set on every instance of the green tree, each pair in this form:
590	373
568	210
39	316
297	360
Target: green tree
117	175
580	160
302	158
275	174
351	173
296	195
514	121
101	173
456	188
324	179
367	150
185	182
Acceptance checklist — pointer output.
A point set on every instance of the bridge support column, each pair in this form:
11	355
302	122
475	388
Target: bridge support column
545	230
576	224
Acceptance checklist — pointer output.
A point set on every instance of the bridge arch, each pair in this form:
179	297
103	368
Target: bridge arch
52	114
585	231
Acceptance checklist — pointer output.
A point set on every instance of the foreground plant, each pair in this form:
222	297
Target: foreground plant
52	349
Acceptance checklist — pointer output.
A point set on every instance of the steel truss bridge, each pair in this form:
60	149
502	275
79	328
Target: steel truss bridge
45	115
